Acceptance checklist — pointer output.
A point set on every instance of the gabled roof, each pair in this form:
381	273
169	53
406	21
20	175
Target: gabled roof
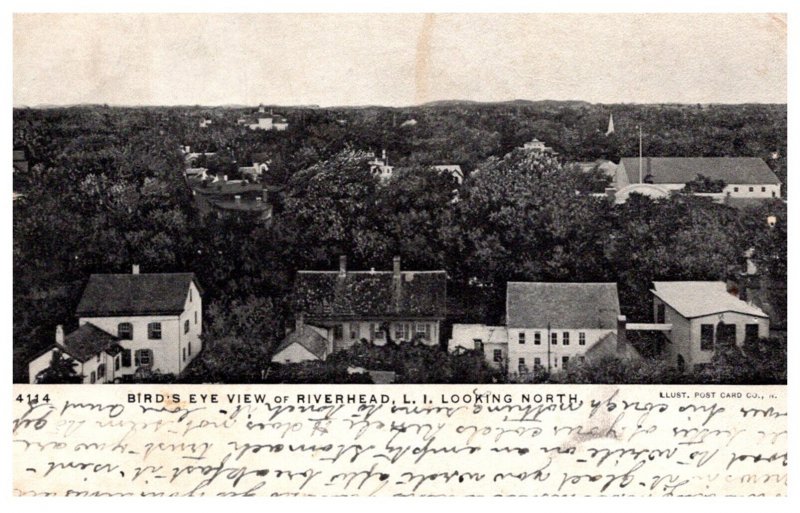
371	294
307	337
562	305
89	340
731	170
701	298
108	295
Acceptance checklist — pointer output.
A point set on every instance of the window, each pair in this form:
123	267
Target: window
97	357
522	368
125	331
101	371
143	357
338	332
554	338
402	331
537	362
564	361
126	357
92	377
353	332
116	363
195	316
478	344
497	355
190	294
763	189
726	334
377	332
565	338
706	337
773	194
537	339
521	337
581	339
735	189
186	326
751	189
425	330
154	331
750	332
184	354
660	313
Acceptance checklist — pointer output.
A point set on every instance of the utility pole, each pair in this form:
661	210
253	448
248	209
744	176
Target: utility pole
549	342
640	152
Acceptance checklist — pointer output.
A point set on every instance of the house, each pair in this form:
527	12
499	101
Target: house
344	307
703	315
264	121
453	170
744	177
261	162
492	341
132	321
538	146
235	197
205	123
550	325
304	343
97	355
380	166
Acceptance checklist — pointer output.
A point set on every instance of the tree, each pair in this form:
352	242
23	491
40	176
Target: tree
704	184
238	342
60	371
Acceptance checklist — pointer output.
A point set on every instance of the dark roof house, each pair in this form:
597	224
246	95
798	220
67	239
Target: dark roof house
675	170
392	294
562	305
88	340
109	295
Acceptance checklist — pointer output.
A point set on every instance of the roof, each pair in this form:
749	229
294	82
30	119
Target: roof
562	305
221	187
701	298
731	170
309	338
89	340
421	294
108	295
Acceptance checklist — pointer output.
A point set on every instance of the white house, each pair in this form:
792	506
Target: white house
380	167
305	343
156	319
453	170
744	177
550	325
96	354
491	340
703	315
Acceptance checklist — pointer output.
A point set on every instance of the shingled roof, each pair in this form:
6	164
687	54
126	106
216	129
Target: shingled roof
359	294
309	338
731	170
88	340
562	305
109	295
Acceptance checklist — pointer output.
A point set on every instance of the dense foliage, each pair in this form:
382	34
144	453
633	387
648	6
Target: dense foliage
105	190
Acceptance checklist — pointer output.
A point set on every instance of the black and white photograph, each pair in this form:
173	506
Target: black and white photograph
400	198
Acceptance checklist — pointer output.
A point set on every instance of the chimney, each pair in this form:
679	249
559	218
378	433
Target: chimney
135	269
60	334
342	266
224	178
300	323
383	157
237	198
622	335
397	284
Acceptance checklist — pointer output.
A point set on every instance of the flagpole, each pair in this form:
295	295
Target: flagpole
640	152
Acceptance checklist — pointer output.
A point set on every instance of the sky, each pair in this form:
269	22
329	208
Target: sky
396	59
